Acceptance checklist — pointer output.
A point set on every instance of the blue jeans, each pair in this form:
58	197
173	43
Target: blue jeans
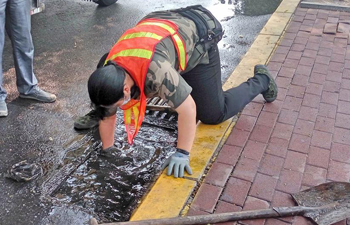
16	13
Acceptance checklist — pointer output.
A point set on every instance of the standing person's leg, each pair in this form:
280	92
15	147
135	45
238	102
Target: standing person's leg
3	94
18	27
213	104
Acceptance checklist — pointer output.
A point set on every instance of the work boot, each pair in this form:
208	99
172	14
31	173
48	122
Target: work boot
3	109
88	121
271	93
39	95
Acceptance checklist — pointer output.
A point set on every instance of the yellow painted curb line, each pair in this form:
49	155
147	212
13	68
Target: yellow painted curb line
169	195
159	202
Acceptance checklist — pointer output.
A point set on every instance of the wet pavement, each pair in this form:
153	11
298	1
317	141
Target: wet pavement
69	38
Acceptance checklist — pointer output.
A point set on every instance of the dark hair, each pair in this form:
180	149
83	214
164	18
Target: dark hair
105	87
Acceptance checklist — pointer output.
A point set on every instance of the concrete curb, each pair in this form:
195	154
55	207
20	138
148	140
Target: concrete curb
314	5
168	196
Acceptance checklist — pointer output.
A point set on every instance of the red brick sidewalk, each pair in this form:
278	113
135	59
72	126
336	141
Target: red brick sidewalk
300	140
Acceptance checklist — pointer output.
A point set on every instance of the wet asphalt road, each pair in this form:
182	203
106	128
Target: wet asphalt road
69	38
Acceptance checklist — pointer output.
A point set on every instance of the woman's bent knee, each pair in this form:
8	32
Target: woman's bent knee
211	120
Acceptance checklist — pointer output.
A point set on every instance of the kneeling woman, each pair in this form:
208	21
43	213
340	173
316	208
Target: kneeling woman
172	55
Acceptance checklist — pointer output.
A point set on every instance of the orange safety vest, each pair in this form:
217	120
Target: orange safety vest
134	51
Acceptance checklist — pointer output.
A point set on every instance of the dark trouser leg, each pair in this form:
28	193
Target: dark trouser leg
213	104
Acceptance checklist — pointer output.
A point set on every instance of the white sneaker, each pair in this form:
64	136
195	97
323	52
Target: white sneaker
39	95
3	109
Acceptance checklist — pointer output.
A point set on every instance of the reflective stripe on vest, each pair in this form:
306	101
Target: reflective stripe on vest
141	34
159	24
180	47
134	51
146	53
181	50
141	53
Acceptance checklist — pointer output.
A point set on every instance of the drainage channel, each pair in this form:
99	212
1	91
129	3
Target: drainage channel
110	187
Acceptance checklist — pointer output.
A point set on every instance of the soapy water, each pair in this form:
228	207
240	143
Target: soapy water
110	187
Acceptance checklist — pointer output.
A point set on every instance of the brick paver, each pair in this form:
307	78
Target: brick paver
206	198
300	140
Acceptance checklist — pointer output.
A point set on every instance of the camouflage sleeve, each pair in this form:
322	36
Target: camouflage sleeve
165	82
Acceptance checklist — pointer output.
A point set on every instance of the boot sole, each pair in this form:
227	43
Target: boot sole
84	127
276	88
271	78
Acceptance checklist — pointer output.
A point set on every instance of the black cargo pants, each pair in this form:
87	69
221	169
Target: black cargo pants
213	104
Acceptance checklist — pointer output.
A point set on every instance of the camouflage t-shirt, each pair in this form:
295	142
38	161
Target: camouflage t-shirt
163	77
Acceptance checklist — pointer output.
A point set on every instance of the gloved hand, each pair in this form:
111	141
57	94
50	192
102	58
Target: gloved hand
178	161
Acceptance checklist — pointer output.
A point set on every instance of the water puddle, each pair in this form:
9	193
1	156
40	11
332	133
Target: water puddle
227	9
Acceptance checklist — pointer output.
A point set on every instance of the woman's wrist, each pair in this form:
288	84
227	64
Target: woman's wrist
182	151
